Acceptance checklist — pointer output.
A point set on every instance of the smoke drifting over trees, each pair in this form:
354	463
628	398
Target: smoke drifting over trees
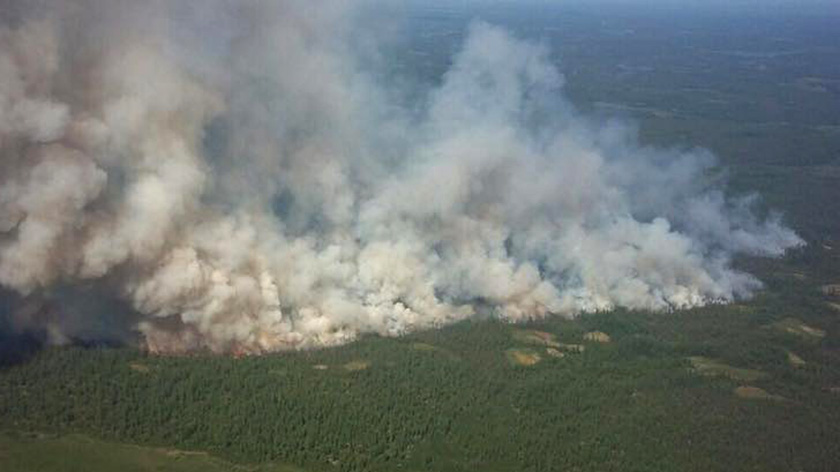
239	175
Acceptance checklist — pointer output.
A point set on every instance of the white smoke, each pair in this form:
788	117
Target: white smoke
246	181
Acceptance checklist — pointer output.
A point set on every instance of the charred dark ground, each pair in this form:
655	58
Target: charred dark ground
748	386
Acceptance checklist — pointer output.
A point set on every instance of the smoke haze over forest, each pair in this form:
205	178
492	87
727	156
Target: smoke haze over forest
241	176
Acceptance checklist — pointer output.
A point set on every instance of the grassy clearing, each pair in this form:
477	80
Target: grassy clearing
139	367
755	393
713	368
356	366
431	348
70	453
424	347
800	329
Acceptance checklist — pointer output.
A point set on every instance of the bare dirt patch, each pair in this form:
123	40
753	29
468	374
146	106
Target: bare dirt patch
553	352
523	357
832	290
531	336
795	360
549	340
597	337
574	348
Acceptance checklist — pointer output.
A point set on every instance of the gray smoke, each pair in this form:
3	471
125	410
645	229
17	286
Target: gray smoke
241	175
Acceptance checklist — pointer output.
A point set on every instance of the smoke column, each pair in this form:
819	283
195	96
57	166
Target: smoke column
241	177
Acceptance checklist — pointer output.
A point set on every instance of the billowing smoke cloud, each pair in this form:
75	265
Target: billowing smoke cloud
240	175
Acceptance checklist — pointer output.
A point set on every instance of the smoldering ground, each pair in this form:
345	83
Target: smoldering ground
241	176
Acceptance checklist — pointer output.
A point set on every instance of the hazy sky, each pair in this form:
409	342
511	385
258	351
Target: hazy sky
829	5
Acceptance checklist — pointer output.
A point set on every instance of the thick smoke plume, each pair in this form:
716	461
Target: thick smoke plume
245	179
